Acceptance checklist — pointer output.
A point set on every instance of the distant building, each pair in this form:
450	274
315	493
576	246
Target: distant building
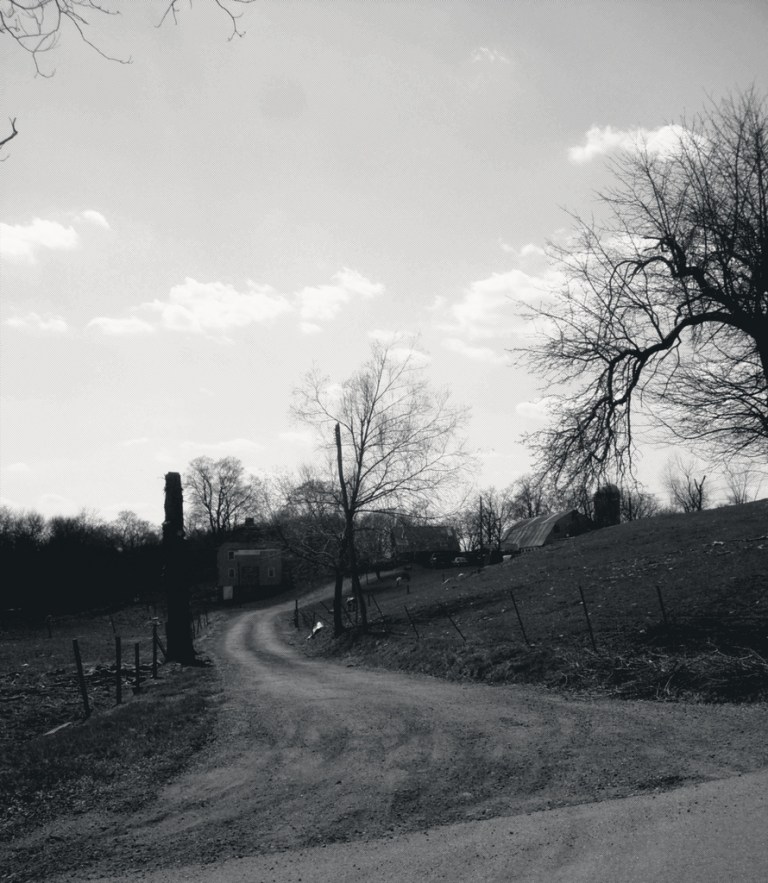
249	565
533	533
424	543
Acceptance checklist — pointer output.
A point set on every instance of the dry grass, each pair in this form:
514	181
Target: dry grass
114	759
678	607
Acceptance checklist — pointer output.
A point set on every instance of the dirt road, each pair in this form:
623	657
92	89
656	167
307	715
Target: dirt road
311	754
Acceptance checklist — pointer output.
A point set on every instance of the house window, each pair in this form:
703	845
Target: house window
231	572
271	572
231	554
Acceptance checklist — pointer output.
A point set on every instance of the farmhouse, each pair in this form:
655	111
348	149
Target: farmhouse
249	565
533	533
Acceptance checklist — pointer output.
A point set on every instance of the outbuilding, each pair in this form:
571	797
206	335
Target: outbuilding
533	533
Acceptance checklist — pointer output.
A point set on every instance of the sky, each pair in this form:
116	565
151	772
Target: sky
184	236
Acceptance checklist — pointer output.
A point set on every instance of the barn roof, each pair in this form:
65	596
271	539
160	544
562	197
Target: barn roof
426	537
537	531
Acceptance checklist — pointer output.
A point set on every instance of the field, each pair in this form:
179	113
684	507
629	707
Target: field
120	753
677	606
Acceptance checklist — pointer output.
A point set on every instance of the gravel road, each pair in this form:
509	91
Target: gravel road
320	771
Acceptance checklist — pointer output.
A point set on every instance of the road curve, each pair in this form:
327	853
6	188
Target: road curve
325	772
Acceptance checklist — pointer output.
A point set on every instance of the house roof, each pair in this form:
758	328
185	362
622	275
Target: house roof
426	537
536	531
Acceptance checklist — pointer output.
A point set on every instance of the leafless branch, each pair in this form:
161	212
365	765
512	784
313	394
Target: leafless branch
665	305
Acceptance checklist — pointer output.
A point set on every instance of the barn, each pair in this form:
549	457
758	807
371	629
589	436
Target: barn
533	533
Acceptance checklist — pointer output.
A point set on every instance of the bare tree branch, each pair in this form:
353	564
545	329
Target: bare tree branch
665	306
14	133
37	25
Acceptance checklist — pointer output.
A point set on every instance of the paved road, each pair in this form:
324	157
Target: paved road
323	772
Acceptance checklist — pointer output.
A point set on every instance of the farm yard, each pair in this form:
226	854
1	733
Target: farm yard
672	607
242	758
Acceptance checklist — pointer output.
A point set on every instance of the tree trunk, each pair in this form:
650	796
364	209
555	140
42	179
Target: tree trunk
349	533
338	600
356	589
178	628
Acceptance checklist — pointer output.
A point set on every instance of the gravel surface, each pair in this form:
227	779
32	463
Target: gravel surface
315	754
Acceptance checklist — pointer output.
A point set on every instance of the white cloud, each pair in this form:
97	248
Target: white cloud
93	217
476	353
215	307
22	242
126	327
540	410
490	307
134	442
602	140
322	303
47	323
483	53
17	469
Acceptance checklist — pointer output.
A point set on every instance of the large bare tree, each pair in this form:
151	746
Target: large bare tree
666	302
391	440
220	493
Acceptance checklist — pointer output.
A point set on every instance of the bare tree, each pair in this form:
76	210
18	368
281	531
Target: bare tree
131	532
529	497
311	525
484	522
637	503
686	492
742	484
220	493
665	303
390	440
38	25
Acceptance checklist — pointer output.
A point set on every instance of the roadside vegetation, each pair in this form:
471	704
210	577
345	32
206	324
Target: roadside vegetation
116	759
678	606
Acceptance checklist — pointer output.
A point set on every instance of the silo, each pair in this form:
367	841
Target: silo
607	502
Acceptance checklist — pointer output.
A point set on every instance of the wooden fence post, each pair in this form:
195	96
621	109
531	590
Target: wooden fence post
455	626
118	670
81	678
413	624
589	622
137	688
519	618
661	604
154	651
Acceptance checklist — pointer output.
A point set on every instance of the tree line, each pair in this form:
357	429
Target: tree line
66	563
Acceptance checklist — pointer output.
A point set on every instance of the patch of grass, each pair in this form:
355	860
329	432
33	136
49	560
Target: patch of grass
678	606
113	760
118	755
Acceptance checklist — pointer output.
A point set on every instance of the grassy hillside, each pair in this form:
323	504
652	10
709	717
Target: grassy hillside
678	607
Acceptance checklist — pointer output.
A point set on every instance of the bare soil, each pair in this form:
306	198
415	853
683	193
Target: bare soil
310	751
